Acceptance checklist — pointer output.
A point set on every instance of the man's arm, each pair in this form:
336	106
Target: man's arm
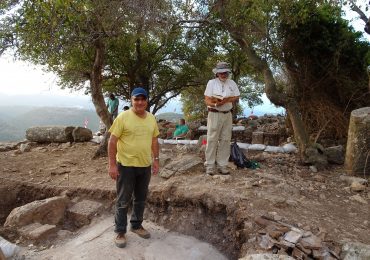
211	102
112	163
155	153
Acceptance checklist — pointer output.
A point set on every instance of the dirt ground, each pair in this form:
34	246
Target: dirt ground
282	188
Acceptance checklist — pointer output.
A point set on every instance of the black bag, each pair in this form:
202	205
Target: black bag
238	157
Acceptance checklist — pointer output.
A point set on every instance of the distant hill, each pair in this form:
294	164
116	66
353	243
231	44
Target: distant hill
172	117
14	121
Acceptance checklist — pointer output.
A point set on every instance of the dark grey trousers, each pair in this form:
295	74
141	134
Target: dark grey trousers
131	181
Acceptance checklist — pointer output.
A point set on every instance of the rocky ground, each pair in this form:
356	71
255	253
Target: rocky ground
238	214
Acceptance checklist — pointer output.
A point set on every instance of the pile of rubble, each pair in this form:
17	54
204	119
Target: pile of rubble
284	241
282	238
269	129
51	218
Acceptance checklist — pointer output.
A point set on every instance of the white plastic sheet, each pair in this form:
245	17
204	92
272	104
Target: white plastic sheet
257	147
9	249
290	148
243	145
274	149
238	128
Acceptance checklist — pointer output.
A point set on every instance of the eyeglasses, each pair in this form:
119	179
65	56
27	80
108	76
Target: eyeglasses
137	99
223	73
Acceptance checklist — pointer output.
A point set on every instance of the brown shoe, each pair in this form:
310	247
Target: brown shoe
210	171
141	232
120	240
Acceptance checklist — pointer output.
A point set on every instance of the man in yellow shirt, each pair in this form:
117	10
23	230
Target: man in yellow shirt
132	149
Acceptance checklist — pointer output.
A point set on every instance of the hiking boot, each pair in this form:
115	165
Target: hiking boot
120	240
141	232
210	171
224	171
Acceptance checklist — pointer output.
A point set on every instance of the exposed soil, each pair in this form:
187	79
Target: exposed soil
220	210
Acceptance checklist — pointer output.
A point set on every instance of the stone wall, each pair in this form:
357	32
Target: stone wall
268	130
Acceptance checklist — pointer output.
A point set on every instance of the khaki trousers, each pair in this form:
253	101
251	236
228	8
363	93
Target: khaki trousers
219	127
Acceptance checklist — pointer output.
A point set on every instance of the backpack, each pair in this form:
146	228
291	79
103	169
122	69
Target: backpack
240	160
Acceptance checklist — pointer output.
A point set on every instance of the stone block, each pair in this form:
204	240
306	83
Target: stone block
271	139
180	166
50	134
81	134
292	236
335	154
47	211
358	142
82	212
37	231
355	250
257	137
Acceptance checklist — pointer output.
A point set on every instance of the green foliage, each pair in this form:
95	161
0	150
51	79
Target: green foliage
219	46
143	44
326	58
326	69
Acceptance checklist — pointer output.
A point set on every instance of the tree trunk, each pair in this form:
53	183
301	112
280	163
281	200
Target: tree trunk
96	79
357	160
279	99
276	97
300	134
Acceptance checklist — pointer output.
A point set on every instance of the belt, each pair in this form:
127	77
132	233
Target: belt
218	111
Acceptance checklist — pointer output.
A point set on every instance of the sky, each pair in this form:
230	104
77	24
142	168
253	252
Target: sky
23	78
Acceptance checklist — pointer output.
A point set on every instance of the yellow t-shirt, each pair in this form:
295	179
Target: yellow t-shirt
135	134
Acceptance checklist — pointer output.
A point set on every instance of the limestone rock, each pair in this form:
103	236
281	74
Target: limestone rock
25	148
335	154
180	166
49	134
355	186
81	134
4	147
82	212
257	137
358	142
355	251
37	231
62	234
350	179
47	211
293	236
311	242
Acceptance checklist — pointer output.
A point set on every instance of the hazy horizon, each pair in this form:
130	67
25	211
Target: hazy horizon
84	102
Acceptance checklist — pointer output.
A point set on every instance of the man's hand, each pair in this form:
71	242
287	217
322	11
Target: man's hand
155	167
112	151
113	171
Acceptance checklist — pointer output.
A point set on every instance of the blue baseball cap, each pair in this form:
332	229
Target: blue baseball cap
139	92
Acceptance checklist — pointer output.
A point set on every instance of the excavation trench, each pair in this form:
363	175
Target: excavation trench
202	218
